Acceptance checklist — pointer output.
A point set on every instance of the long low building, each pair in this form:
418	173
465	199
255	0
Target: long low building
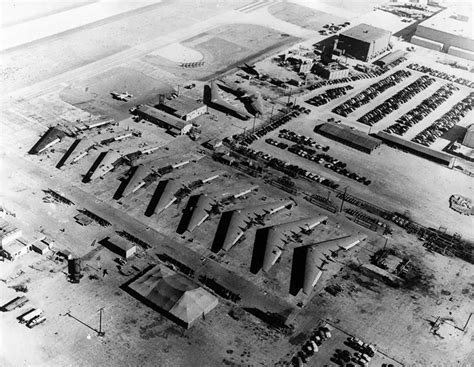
173	124
420	150
345	135
449	31
390	58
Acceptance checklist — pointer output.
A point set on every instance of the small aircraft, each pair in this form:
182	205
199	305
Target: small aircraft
124	96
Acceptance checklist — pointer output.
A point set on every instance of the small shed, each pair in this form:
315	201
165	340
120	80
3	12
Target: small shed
40	247
119	245
83	219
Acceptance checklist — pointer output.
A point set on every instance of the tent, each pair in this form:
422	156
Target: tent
174	295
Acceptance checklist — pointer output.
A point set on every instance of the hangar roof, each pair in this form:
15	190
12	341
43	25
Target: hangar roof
456	21
365	32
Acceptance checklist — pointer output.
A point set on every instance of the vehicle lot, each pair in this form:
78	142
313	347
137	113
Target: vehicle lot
391	172
394	319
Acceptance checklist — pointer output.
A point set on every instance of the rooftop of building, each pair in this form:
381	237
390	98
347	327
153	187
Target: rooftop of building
456	21
163	116
6	228
183	104
365	32
332	66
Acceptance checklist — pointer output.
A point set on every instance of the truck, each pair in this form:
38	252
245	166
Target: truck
19	318
15	303
30	316
36	321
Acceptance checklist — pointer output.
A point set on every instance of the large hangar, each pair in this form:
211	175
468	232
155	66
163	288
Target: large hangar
363	42
451	31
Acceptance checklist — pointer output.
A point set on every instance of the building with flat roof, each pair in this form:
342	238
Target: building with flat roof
417	149
363	42
331	71
450	31
171	123
120	246
185	108
8	232
345	135
390	58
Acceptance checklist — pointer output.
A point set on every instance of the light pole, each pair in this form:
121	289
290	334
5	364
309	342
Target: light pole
343	198
100	332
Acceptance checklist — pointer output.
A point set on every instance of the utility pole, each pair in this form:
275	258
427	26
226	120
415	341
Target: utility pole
253	128
343	198
289	97
100	332
271	114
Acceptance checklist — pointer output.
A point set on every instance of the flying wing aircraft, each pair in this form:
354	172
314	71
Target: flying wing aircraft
240	220
103	164
309	261
271	241
163	197
136	181
217	100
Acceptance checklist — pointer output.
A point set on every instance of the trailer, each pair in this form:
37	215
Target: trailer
19	318
36	321
31	316
15	303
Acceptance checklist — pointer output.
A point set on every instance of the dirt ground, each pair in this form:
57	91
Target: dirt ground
312	19
223	46
69	79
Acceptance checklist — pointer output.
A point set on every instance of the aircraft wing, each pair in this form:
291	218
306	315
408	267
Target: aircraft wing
218	100
136	180
256	104
163	197
106	165
278	236
316	257
241	217
50	137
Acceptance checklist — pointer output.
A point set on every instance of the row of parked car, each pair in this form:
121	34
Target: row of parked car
291	170
441	74
275	124
300	139
329	162
415	115
429	135
370	93
311	346
393	103
348	79
364	352
329	95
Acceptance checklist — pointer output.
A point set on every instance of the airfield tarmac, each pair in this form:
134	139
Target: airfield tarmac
68	75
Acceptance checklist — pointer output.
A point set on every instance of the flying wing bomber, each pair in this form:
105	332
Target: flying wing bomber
136	181
216	99
309	261
103	164
243	219
270	241
163	197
